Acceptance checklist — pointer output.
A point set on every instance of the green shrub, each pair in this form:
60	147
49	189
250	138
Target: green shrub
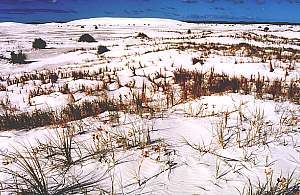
87	38
39	44
266	29
142	35
17	58
102	49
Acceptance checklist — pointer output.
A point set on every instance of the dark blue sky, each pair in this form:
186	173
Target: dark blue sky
223	10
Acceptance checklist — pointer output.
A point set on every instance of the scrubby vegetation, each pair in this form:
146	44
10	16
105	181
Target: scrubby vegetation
102	49
266	29
142	35
86	38
53	164
162	108
39	44
40	118
18	58
196	84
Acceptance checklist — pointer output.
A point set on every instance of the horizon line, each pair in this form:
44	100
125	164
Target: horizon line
182	20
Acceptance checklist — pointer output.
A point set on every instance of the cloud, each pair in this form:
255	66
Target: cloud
35	1
290	1
27	1
259	2
35	11
5	18
133	12
189	1
222	17
218	8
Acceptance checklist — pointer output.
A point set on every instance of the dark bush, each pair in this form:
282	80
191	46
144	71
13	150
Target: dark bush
39	44
189	31
142	35
102	49
197	60
53	77
86	38
266	29
17	57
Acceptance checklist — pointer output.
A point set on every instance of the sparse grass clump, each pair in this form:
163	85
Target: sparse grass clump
3	87
47	169
60	162
195	84
40	118
26	120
